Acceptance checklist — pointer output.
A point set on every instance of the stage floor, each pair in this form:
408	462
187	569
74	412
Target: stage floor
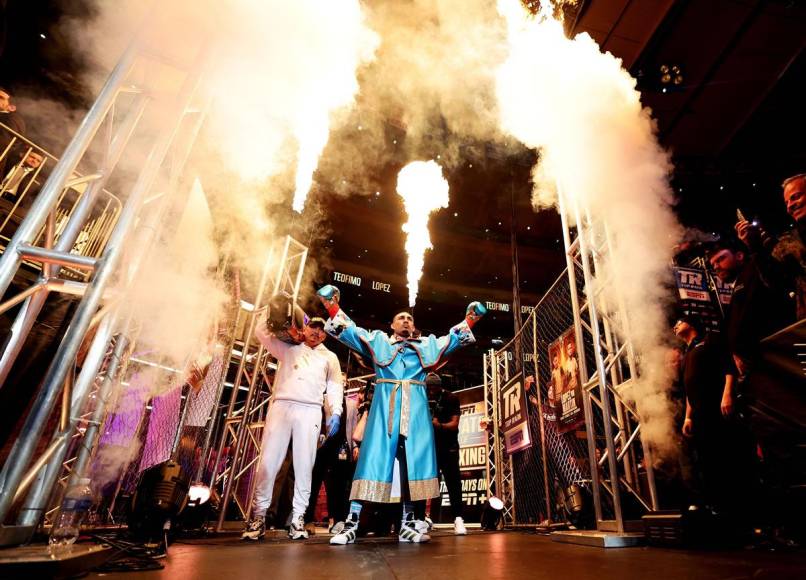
509	555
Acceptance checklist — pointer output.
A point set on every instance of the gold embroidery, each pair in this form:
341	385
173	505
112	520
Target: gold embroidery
424	489
377	491
381	492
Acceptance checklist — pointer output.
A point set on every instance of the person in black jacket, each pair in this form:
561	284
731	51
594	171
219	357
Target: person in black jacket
724	456
759	305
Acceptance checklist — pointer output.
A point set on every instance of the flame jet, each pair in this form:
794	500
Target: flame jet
424	190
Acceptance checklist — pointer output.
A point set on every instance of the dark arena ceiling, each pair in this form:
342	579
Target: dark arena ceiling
734	125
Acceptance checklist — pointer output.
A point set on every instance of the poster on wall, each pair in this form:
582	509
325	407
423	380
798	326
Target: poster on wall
565	386
472	437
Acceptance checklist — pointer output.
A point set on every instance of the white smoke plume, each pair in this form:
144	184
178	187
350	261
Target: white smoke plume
424	190
597	143
279	75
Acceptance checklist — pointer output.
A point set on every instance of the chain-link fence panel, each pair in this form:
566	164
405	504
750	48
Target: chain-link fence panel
543	475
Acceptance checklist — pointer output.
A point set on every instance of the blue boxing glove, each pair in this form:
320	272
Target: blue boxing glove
329	295
333	425
474	312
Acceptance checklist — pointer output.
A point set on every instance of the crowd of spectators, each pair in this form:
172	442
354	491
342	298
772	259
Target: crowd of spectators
745	403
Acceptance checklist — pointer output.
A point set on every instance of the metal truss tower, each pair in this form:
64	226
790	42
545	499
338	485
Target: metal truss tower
143	87
613	424
499	463
242	428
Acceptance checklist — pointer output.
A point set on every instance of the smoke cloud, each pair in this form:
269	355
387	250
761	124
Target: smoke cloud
279	76
581	109
293	81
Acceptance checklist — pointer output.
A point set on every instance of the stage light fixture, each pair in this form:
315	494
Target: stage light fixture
159	497
491	513
198	493
671	74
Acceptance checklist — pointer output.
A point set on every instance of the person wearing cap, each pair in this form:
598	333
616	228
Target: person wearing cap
307	371
397	460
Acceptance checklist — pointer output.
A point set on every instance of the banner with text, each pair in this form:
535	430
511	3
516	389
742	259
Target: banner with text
472	437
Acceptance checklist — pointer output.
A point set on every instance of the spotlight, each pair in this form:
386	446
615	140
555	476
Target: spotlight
575	501
202	503
161	494
491	513
670	75
198	493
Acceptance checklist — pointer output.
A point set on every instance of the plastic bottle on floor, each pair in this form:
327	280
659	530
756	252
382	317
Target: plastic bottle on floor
77	502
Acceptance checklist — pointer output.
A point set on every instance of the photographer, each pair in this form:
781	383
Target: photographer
788	249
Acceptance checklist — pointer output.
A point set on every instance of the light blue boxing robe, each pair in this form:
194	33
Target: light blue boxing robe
399	407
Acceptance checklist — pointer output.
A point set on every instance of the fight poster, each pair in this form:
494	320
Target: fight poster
565	385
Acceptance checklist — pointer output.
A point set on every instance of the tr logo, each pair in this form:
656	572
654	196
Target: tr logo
692	278
512	400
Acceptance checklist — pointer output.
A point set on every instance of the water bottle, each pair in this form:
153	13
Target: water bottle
77	502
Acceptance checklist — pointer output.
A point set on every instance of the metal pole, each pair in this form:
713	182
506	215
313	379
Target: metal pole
634	373
24	447
37	498
540	418
604	392
241	366
43	203
496	439
590	429
30	310
93	429
487	401
611	345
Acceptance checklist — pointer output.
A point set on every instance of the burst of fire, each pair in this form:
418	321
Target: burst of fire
283	72
336	85
312	135
424	190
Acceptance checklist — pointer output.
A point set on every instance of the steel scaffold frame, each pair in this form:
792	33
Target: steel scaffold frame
499	463
243	423
136	228
603	330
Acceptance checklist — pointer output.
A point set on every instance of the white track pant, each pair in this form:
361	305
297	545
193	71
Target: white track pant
287	421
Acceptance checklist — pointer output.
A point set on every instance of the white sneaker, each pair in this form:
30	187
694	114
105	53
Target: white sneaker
347	533
429	522
413	531
459	527
297	530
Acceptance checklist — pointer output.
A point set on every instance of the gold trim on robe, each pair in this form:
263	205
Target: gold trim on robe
381	492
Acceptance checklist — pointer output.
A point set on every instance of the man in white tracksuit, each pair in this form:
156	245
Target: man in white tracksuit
306	372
